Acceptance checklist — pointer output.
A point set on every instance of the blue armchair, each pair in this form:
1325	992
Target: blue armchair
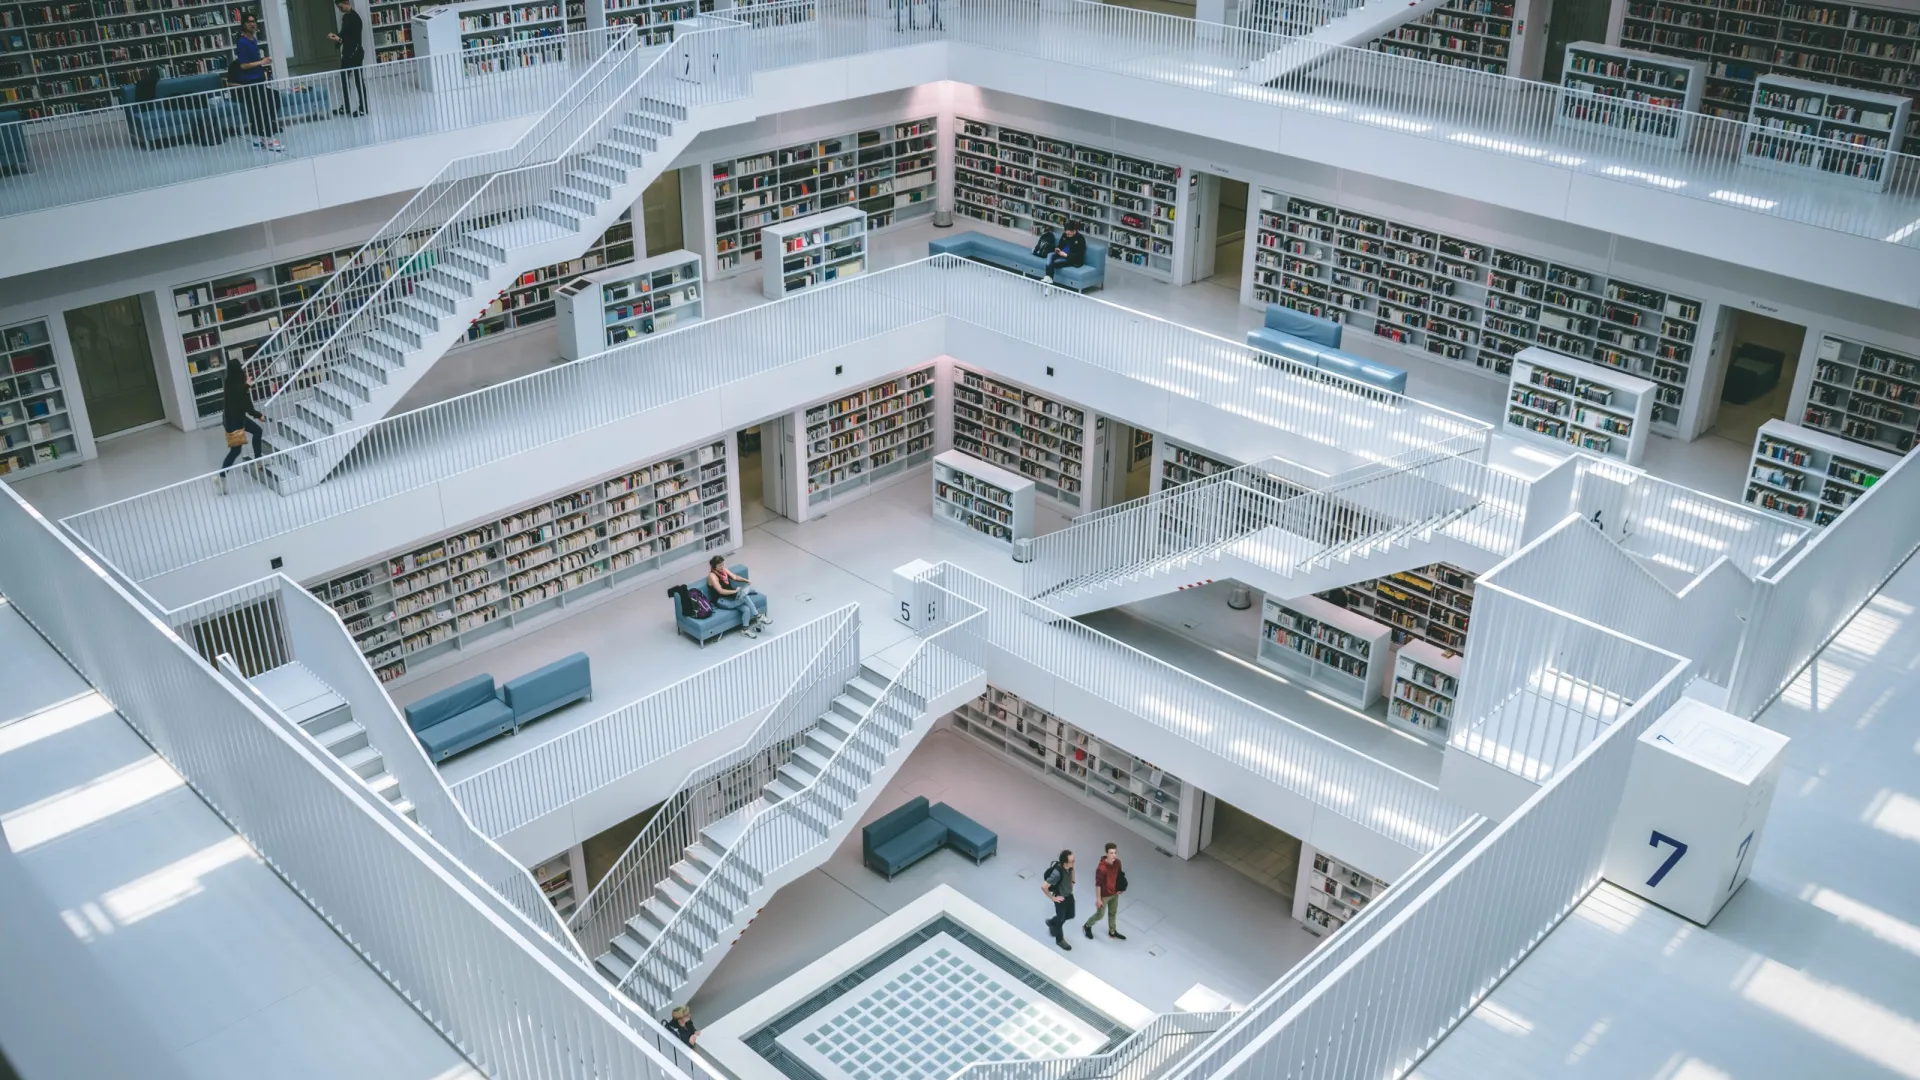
187	108
715	624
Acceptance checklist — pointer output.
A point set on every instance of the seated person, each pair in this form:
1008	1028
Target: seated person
1071	251
682	1026
731	591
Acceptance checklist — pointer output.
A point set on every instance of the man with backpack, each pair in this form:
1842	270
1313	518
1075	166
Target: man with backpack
1109	881
1057	886
1071	251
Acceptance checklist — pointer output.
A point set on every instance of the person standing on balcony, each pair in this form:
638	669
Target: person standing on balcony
906	6
1109	881
933	16
1072	251
353	54
247	71
1057	886
236	417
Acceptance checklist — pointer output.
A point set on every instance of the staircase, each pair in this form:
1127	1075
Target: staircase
1152	1052
380	322
1326	38
665	951
300	695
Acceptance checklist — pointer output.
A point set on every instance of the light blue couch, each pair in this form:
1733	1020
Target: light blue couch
722	619
463	715
14	155
186	108
1279	338
1021	260
912	831
543	690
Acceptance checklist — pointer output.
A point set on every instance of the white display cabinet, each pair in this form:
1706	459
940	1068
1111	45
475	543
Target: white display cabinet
1635	95
1328	892
1865	394
36	424
466	28
809	251
1426	683
1334	649
970	494
1830	133
855	442
1025	431
617	305
1696	800
1561	400
1808	475
1130	790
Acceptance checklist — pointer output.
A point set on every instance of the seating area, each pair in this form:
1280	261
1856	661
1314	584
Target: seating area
1011	256
704	628
188	108
14	155
469	713
1304	339
915	830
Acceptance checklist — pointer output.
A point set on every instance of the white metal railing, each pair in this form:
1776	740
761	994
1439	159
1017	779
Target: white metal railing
1675	527
561	771
1290	18
1143	1055
1802	603
731	781
184	523
1329	774
506	1002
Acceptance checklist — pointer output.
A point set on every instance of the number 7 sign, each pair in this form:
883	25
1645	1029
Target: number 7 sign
1679	852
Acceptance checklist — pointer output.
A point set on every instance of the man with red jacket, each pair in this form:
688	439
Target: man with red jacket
1108	883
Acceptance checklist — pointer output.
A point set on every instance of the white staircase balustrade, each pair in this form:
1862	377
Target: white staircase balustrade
299	694
1147	1054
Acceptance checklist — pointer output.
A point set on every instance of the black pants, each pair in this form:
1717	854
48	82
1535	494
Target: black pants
233	452
1062	915
262	103
1056	261
351	77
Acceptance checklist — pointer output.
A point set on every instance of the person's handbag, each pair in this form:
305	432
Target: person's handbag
237	438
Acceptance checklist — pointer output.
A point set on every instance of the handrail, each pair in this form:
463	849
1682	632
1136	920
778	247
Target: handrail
1139	1056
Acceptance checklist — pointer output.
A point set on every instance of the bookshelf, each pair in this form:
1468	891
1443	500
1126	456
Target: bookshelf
390	29
1426	682
1183	465
1562	400
856	440
470	25
1330	892
1021	180
1338	651
1600	78
619	304
1475	34
529	300
655	19
1466	301
36	428
1808	475
970	494
1824	132
72	56
1866	394
1841	45
495	577
886	171
560	879
1008	425
801	253
1130	790
1431	603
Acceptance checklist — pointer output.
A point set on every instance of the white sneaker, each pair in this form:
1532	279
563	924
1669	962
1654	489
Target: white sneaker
220	484
272	145
1048	280
766	620
750	630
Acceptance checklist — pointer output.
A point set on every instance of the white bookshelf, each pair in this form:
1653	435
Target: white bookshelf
1465	300
562	879
619	304
855	441
1183	465
1561	400
1635	95
1337	650
1430	603
1127	789
1329	892
1022	180
1808	475
464	28
889	172
36	427
75	56
653	18
1476	34
414	607
1018	429
814	250
970	494
1824	132
1865	393
1426	682
390	29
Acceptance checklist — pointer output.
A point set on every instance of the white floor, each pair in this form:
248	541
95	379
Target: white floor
1811	970
1187	922
231	969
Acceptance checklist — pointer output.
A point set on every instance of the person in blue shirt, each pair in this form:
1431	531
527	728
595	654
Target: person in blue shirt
247	71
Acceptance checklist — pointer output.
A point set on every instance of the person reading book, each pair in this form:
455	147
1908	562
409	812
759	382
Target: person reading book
734	592
1072	251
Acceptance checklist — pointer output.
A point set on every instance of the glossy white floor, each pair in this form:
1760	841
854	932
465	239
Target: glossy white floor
231	971
1186	921
1811	970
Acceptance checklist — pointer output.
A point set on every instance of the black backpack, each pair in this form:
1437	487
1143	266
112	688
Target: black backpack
1055	879
1046	244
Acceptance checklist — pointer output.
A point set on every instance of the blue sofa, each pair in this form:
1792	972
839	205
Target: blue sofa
1285	335
1021	260
463	715
543	690
14	156
915	830
177	115
716	624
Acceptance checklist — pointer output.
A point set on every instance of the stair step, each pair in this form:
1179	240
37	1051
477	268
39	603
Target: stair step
336	739
407	810
782	788
627	948
609	170
627	157
852	707
417	310
400	328
687	873
396	347
558	214
673	893
825	740
867	686
320	414
589	184
350	379
623	135
385	785
364	761
339	400
645	121
813	761
612	967
299	430
703	857
574	201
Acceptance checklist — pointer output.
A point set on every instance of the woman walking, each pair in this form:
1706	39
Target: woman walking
237	417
